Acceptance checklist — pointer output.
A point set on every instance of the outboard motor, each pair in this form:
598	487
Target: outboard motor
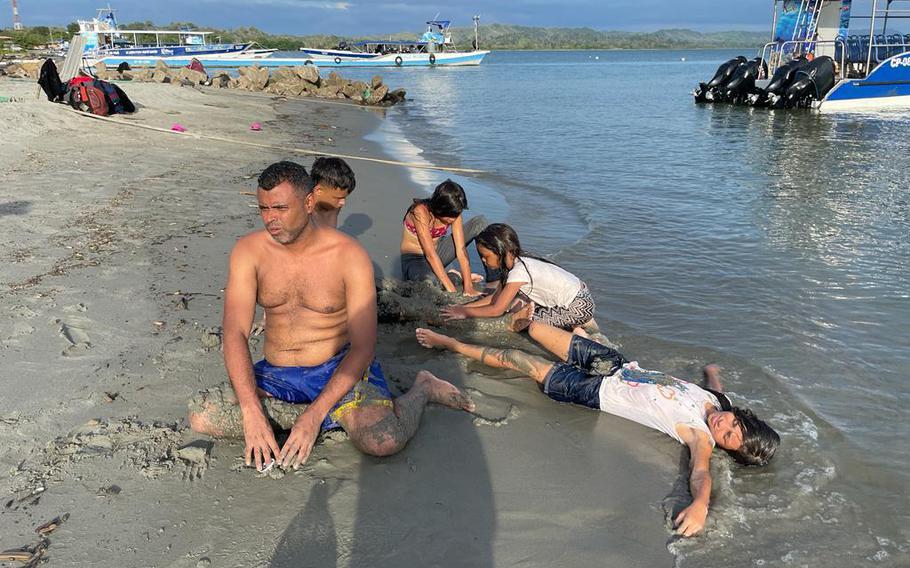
810	83
707	92
778	84
743	82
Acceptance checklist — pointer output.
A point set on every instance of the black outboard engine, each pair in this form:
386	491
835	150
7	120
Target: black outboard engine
810	83
742	84
707	92
778	84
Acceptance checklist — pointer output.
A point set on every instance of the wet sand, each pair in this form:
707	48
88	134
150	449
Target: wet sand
114	253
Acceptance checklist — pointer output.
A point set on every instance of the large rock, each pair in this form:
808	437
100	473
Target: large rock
330	88
396	96
286	87
161	77
335	80
326	92
377	80
357	91
308	73
101	71
25	70
191	76
144	75
377	95
221	80
253	78
162	73
283	74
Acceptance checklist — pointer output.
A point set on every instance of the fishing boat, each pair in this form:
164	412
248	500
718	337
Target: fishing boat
824	56
105	42
433	48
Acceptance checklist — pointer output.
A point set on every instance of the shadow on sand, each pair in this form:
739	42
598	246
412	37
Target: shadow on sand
430	505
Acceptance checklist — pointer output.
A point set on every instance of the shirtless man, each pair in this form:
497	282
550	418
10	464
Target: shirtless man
316	286
698	417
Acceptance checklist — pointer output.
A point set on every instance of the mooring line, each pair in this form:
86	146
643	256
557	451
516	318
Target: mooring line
282	148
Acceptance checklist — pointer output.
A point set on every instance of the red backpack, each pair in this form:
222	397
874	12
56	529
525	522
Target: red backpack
84	96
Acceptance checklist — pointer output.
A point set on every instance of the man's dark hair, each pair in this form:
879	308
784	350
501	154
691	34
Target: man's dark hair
333	172
291	172
760	441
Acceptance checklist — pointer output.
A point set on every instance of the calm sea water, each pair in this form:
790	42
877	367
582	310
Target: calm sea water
774	242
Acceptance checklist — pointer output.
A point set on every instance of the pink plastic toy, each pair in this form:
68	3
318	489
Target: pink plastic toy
177	127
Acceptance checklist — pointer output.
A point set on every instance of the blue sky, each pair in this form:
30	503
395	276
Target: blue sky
356	17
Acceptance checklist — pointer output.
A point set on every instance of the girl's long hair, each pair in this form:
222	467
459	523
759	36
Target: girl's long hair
448	200
501	239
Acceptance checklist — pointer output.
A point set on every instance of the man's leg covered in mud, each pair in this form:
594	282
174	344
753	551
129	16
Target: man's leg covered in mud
380	430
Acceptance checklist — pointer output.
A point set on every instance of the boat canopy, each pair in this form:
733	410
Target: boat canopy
388	42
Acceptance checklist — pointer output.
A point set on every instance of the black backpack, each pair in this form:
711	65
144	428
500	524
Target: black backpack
50	82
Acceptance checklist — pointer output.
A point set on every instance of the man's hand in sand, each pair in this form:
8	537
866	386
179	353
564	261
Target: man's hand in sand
691	520
300	443
456	312
260	440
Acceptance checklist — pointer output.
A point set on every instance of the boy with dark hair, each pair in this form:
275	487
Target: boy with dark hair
596	376
334	182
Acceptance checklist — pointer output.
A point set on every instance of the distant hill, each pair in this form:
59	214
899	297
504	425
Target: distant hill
492	36
504	36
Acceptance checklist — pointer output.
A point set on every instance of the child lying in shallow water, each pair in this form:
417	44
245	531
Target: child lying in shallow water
560	298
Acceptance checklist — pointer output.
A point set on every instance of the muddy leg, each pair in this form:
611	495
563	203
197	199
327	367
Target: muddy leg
514	359
215	412
378	430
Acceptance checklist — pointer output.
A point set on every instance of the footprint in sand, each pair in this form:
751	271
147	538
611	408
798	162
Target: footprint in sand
74	335
492	410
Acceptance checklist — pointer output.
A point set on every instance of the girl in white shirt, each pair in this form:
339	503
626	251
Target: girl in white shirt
560	298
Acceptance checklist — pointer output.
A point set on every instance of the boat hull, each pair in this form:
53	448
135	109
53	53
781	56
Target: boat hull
338	59
888	86
407	60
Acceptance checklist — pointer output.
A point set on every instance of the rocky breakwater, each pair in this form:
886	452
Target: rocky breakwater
24	70
303	81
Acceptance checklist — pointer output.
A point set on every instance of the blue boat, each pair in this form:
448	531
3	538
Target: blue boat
105	42
819	57
433	48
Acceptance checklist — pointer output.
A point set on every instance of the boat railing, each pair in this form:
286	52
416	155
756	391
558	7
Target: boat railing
779	53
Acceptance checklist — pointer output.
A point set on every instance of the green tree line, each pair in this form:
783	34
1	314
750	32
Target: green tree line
492	36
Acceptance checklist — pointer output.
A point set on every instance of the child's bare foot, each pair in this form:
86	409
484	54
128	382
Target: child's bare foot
443	392
433	340
521	318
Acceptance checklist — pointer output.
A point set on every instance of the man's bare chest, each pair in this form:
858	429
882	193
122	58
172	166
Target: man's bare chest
289	286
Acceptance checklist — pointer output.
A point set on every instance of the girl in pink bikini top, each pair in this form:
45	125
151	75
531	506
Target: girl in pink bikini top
432	217
435	232
446	204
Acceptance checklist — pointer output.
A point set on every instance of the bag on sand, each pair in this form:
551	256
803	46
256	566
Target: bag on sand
50	82
117	101
85	96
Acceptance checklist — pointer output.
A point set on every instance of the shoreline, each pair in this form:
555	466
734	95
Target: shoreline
123	246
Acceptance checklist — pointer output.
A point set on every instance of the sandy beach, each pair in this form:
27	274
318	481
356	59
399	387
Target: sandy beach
114	254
